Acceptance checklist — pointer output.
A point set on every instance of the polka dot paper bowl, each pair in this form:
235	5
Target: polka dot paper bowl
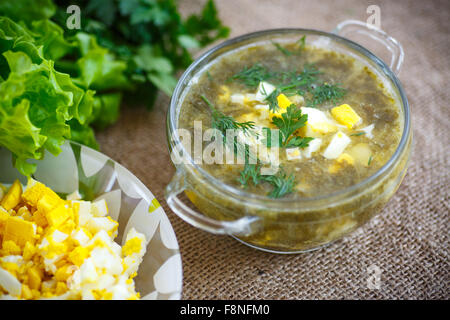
96	176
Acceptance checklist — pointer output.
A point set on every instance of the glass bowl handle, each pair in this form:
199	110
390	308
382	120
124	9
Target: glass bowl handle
242	226
347	27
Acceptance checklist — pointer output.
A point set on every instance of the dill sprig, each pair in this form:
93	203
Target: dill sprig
252	76
281	183
291	82
305	83
294	83
301	43
326	92
250	172
283	50
222	122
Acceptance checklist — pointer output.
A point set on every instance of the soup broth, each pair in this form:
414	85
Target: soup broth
337	122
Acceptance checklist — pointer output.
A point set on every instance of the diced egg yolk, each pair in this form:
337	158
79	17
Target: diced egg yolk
19	231
12	197
283	101
318	123
345	115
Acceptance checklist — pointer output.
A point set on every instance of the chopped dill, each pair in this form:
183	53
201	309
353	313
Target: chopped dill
252	76
305	83
222	122
326	92
282	49
250	172
301	43
295	83
281	183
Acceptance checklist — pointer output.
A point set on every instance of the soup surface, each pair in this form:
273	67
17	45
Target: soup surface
320	121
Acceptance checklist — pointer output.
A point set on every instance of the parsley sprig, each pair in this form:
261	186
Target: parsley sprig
150	37
282	184
289	122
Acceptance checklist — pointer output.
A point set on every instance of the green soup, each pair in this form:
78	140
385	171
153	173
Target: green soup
351	128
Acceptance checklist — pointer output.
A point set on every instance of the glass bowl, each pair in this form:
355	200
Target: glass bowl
130	203
288	225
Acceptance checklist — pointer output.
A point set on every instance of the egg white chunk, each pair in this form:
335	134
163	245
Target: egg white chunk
338	143
264	90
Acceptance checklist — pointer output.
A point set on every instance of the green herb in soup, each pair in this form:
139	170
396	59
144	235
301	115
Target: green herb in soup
322	118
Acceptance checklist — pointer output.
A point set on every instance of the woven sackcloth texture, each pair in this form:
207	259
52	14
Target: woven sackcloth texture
408	240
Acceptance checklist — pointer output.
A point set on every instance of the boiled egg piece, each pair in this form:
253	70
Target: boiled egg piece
337	145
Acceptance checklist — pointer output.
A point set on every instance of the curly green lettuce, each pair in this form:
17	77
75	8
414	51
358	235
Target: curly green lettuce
40	107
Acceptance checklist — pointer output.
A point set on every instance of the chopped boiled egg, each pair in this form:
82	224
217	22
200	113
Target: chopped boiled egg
368	131
20	231
74	196
337	145
55	248
313	146
237	98
99	208
318	123
249	97
293	154
283	101
12	197
263	91
243	98
341	161
344	114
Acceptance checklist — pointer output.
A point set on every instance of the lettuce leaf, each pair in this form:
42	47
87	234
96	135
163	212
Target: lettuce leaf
37	102
58	84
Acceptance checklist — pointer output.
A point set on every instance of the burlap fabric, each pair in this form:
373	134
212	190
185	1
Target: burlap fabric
408	241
